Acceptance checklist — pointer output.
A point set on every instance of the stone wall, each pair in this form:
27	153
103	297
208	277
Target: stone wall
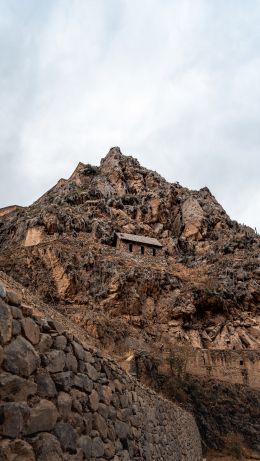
62	400
136	249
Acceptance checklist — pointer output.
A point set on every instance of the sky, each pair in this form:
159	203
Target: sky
175	83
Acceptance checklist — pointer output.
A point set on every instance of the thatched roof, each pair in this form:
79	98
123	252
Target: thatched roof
139	239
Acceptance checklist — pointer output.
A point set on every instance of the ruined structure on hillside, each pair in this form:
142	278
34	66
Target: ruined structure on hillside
138	244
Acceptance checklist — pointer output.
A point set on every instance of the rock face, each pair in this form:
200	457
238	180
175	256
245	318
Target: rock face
50	412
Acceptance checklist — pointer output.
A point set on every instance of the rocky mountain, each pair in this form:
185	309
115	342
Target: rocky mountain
204	291
199	295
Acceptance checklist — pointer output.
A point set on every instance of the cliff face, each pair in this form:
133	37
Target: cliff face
204	291
62	400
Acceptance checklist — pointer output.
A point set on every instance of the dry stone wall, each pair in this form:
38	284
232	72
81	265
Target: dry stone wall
62	400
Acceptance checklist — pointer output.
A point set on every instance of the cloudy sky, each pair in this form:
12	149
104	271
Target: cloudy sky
176	83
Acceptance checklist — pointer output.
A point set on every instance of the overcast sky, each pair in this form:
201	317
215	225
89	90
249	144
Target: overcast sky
175	83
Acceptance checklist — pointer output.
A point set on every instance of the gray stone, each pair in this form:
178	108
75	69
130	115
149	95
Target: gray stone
85	442
64	402
67	436
100	425
45	343
16	313
6	323
56	325
106	395
92	372
78	350
17	329
55	361
60	342
83	382
13	417
12	298
94	400
46	386
43	417
47	447
71	362
63	380
31	330
103	410
97	449
15	388
88	421
122	429
20	357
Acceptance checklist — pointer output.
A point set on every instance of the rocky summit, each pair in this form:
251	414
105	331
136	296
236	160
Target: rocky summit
116	287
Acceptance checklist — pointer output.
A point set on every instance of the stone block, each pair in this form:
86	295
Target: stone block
42	418
31	330
15	388
20	357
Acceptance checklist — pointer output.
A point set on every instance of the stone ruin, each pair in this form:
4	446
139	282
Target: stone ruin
62	400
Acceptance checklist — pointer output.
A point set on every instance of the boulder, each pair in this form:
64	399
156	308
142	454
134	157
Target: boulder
47	447
20	357
15	388
31	330
13	419
43	417
67	436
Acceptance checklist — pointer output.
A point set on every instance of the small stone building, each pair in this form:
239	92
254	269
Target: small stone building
138	244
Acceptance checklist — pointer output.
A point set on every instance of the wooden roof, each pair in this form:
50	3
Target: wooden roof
139	239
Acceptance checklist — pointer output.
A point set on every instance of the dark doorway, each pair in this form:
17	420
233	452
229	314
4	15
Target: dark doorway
154	252
130	247
142	250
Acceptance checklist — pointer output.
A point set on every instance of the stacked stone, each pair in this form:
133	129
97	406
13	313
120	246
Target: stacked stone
61	400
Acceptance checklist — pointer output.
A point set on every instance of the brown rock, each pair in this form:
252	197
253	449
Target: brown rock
97	449
43	417
13	298
67	436
85	442
20	357
15	388
55	361
45	343
64	403
17	450
31	330
47	447
71	362
45	385
94	400
100	425
13	418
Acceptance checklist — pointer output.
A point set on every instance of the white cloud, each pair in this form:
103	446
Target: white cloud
174	83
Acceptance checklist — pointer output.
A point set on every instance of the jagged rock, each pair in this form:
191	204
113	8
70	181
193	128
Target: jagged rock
42	418
31	330
20	357
13	419
45	385
47	447
64	402
45	343
97	449
67	436
15	388
55	361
